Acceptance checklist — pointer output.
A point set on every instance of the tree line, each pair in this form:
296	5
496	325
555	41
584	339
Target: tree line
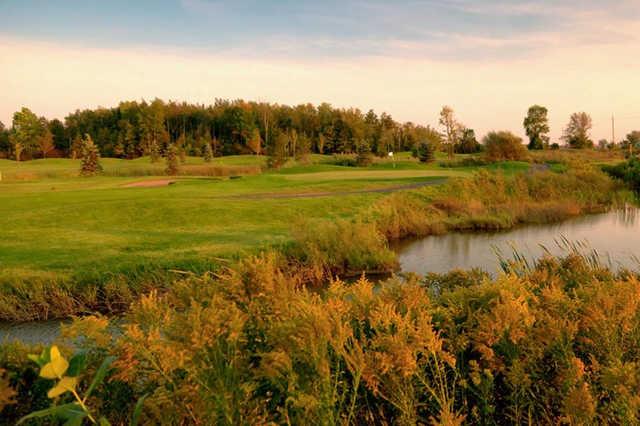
133	129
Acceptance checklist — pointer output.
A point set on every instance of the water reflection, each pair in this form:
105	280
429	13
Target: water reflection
614	235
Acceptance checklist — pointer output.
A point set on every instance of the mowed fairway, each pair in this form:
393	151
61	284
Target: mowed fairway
53	222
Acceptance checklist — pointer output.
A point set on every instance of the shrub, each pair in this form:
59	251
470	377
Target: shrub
628	172
504	145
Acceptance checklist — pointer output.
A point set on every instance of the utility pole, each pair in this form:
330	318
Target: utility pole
613	130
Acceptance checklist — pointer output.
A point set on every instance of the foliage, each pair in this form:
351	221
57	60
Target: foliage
66	376
576	134
236	128
364	157
207	154
536	125
424	151
631	143
468	144
26	131
171	160
628	172
278	151
90	164
451	128
551	342
255	143
503	145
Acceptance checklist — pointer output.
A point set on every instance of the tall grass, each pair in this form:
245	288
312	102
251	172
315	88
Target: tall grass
557	343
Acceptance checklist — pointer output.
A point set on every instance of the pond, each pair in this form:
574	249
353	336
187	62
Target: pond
615	236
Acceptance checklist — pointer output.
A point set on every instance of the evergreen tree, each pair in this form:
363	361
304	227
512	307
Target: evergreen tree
90	164
424	151
173	165
208	153
154	152
364	157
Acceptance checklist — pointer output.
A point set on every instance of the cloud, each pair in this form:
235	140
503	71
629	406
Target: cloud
486	94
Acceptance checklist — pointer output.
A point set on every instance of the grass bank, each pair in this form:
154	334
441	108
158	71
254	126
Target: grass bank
486	201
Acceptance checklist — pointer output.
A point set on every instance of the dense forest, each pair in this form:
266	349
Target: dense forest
231	127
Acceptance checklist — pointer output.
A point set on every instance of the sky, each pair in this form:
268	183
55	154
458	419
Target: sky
488	59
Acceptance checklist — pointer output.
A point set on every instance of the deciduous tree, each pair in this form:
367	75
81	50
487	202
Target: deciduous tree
536	125
504	145
451	128
576	134
25	133
255	142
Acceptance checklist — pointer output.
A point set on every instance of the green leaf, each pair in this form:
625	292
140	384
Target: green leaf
102	421
100	375
66	410
76	420
135	418
77	364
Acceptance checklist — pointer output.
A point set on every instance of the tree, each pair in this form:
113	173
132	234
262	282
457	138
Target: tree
468	144
255	142
60	139
536	125
154	151
364	157
172	162
26	130
90	164
181	147
504	145
576	134
45	142
5	145
207	153
278	151
424	151
76	147
631	143
303	148
451	128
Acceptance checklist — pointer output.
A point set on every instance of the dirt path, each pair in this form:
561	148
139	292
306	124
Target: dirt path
150	183
275	195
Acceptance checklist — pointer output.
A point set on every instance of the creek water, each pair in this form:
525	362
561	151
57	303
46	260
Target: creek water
614	236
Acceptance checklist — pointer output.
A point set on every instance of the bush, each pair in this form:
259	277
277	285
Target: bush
504	145
628	172
424	151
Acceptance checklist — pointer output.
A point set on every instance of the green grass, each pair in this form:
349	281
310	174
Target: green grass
58	230
76	226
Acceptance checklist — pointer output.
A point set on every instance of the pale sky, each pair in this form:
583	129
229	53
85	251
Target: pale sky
489	59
